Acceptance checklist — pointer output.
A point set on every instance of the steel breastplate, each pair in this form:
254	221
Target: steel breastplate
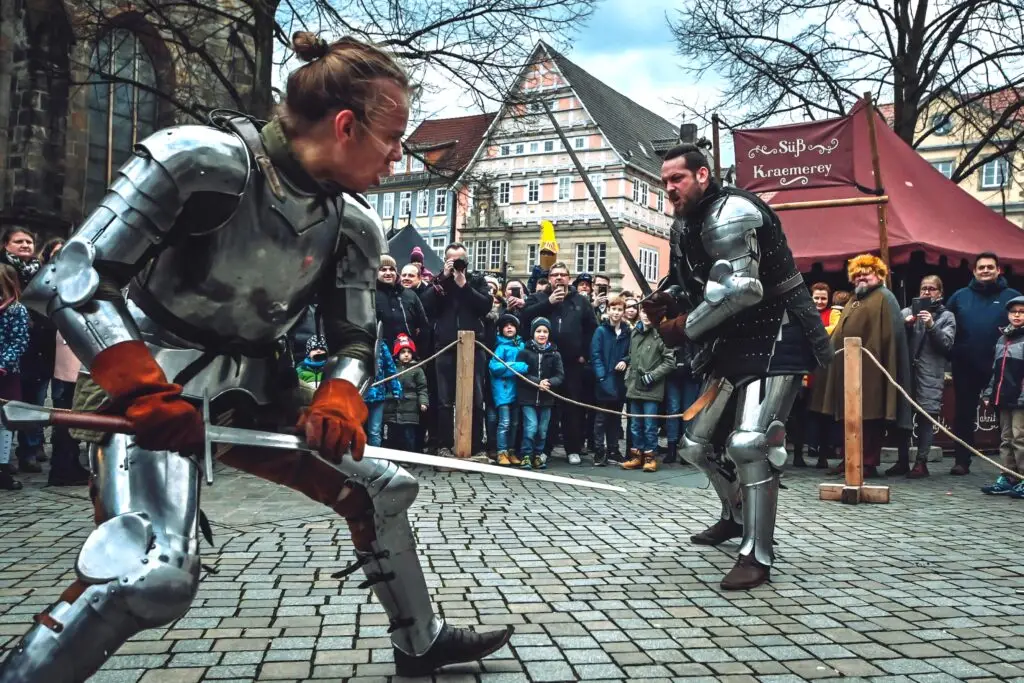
213	305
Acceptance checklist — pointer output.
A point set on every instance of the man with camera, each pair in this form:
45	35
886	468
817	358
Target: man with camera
457	300
573	324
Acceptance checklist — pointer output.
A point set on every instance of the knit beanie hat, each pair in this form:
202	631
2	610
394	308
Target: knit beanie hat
316	342
539	322
403	341
388	260
417	255
507	319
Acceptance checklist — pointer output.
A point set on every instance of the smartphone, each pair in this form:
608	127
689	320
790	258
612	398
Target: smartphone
602	290
515	291
564	288
920	303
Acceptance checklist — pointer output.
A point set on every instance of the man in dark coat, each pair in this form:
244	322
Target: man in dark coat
457	300
980	311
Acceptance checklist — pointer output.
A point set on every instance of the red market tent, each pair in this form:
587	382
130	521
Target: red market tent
926	212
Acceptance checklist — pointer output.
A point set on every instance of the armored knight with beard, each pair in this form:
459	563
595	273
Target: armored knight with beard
733	288
224	235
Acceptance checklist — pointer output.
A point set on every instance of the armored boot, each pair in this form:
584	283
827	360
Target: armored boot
422	641
452	646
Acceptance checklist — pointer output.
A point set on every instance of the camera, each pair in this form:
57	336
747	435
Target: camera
460	264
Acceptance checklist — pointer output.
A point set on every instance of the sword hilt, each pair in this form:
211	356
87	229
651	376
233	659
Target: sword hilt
19	415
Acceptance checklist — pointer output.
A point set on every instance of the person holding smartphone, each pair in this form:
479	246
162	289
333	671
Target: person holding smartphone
457	300
931	329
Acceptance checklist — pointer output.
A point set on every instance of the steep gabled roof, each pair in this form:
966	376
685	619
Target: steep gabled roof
461	136
630	128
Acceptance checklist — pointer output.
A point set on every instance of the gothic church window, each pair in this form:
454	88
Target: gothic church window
122	107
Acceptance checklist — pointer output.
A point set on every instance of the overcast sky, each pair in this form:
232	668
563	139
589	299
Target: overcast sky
627	45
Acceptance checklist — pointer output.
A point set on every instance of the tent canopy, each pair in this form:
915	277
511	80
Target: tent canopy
404	241
927	212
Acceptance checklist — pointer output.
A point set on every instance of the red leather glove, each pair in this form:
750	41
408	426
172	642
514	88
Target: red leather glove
657	306
334	421
139	390
673	331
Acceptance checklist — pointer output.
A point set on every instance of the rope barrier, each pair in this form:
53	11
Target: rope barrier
415	365
580	404
569	400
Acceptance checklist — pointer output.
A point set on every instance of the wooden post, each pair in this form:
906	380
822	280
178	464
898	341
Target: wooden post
829	203
715	122
883	229
465	358
853	406
853	491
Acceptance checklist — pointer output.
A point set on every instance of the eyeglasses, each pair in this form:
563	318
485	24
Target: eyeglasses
1016	312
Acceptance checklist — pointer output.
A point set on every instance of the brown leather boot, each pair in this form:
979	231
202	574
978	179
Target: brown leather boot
746	574
920	470
718	533
650	462
635	461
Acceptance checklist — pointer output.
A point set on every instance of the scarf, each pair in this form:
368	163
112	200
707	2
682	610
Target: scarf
26	269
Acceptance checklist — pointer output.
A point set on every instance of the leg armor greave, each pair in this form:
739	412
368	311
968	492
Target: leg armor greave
392	566
138	569
758	448
696	448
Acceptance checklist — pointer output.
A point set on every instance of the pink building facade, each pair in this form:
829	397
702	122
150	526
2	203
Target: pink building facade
522	175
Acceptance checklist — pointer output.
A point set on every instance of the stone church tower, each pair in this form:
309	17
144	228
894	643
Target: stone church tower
82	80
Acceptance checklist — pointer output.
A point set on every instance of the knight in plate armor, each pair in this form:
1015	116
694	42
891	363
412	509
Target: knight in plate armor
223	235
734	289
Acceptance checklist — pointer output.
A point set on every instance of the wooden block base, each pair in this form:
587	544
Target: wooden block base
852	495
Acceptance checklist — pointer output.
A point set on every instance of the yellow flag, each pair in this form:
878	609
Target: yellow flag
548	245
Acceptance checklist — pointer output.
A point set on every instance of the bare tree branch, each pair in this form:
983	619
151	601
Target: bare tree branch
964	58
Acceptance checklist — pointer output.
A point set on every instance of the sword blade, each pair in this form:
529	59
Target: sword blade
249	437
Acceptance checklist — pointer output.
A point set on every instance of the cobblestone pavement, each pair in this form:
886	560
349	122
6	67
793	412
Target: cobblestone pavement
600	586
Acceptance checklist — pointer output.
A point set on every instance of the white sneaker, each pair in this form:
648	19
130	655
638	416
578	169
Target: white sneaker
574	459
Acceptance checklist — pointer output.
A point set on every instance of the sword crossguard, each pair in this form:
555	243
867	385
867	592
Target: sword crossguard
207	443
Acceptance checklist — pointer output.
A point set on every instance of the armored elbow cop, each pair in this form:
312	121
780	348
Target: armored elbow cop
726	294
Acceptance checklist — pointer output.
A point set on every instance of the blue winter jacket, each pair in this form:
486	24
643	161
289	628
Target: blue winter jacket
385	368
503	382
980	312
606	350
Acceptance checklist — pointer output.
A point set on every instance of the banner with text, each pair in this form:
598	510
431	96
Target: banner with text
815	154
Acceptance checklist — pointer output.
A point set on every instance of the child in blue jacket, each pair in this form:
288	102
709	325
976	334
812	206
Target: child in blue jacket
503	386
609	356
377	396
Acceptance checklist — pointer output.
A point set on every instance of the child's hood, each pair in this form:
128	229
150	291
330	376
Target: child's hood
506	341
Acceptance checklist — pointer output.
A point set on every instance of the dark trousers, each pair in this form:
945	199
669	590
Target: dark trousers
403	436
967	387
65	449
923	434
607	427
571	419
30	441
446	381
